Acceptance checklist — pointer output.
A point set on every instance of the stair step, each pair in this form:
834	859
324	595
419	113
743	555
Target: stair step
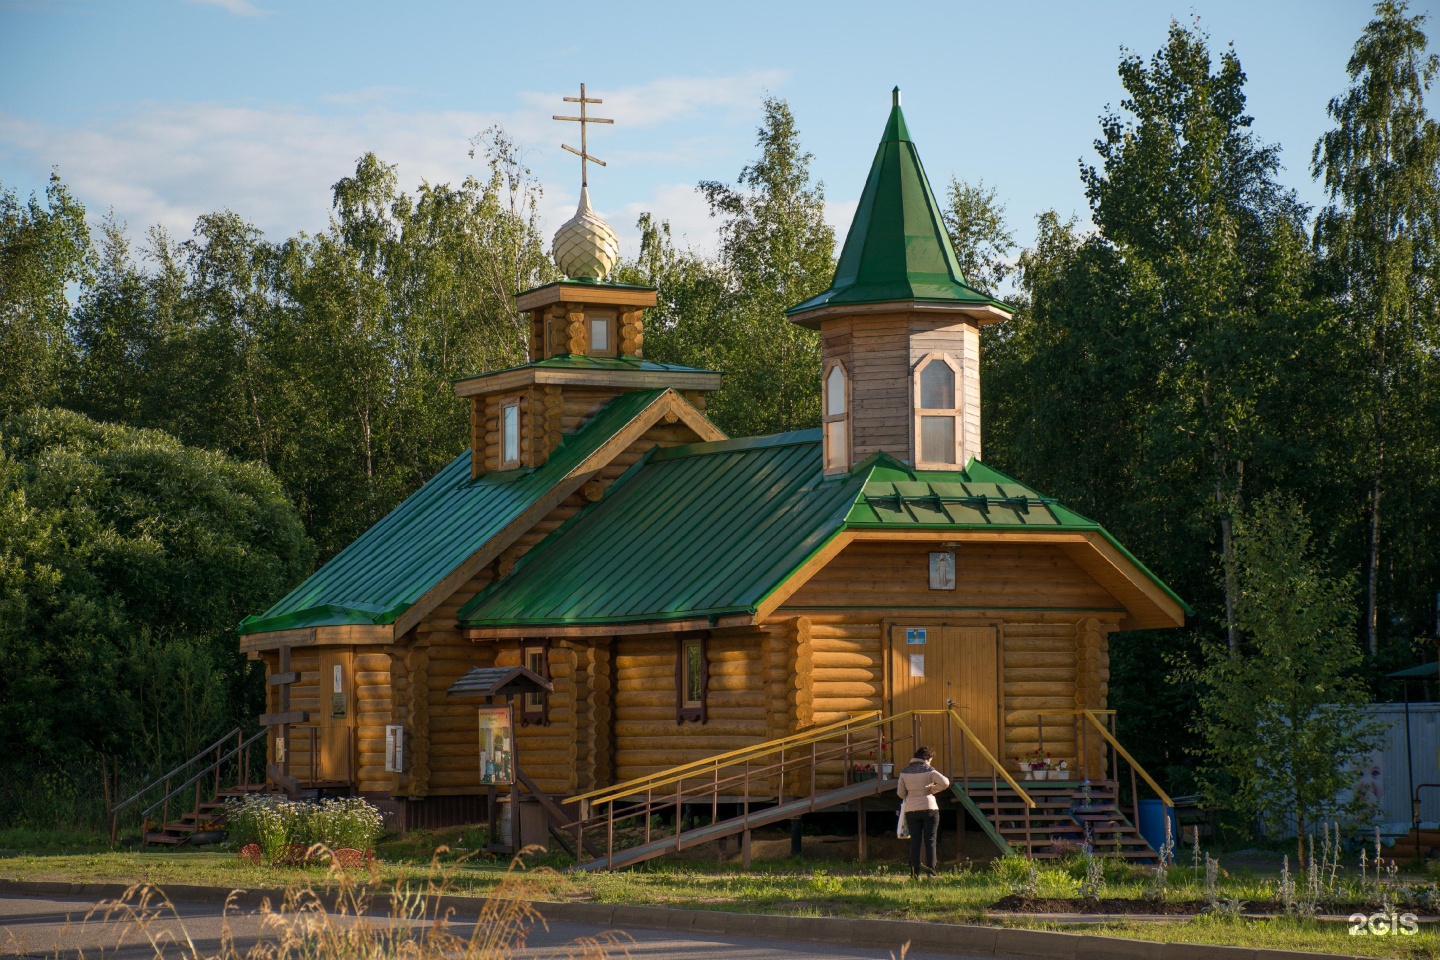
165	838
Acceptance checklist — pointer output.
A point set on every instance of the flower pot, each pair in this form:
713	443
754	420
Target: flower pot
887	771
1060	775
1029	774
865	775
348	858
1041	774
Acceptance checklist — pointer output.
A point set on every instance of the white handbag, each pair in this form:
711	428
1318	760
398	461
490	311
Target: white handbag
902	829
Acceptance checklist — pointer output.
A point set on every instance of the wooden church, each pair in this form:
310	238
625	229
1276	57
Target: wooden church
689	596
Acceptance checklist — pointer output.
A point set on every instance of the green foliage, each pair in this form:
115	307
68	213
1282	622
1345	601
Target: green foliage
44	248
975	221
1164	368
126	559
1281	719
1377	237
326	358
775	251
275	823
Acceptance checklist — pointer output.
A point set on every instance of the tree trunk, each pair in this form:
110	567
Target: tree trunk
1232	632
1372	572
1299	836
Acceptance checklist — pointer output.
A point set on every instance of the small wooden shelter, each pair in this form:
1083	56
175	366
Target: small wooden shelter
689	595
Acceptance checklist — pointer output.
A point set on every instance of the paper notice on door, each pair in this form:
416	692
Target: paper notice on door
917	664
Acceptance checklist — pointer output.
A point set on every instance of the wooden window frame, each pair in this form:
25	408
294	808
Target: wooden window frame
829	418
537	714
519	434
917	411
689	711
611	327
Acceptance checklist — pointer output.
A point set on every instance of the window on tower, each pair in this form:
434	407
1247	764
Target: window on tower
510	434
936	429
837	418
601	344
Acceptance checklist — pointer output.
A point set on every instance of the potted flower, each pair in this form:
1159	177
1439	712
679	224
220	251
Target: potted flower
1036	764
864	771
1061	771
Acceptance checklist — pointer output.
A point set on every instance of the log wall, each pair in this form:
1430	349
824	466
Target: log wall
990	577
647	737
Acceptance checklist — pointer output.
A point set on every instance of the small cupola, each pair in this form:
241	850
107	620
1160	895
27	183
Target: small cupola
586	345
899	326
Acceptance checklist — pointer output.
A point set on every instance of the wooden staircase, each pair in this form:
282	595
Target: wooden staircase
194	787
1063	819
210	814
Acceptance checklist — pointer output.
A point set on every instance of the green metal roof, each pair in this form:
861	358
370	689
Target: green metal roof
376	578
711	529
569	361
897	248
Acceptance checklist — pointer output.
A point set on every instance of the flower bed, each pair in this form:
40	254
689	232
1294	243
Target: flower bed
278	831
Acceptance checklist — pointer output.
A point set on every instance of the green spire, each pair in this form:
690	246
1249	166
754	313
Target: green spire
897	248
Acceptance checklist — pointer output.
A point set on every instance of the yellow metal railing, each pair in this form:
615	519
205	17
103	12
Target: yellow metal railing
683	772
1093	718
798	757
1115	745
985	753
861	723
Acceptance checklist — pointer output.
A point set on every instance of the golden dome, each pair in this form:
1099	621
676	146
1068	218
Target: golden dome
585	247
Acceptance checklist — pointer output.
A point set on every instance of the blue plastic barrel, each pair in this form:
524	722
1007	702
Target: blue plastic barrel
1152	823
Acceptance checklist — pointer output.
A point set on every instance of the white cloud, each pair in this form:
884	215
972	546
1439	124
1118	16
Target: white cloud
665	100
168	163
241	8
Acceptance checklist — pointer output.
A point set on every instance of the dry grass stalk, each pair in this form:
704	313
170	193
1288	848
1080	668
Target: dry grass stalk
339	921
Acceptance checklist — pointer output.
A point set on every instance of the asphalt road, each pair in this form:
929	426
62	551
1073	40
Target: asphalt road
44	927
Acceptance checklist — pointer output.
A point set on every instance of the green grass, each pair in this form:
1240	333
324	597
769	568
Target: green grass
789	887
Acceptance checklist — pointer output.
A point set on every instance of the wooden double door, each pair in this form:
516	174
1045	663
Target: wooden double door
938	667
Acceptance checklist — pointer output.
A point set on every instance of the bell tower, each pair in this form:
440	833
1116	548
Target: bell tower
899	326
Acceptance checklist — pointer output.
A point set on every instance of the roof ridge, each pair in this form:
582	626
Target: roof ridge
707	447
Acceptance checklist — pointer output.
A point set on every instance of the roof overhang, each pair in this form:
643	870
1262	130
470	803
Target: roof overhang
575	291
520	377
1147	605
350	634
979	314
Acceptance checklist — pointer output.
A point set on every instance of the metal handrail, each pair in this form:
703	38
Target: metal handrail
669	774
159	780
1115	745
858	724
985	752
195	777
689	771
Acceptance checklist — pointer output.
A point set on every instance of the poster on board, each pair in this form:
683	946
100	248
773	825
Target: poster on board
497	745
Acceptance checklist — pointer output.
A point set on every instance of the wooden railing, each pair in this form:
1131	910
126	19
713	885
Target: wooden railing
1091	756
761	774
209	761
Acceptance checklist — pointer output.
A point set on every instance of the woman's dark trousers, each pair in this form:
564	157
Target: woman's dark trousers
924	836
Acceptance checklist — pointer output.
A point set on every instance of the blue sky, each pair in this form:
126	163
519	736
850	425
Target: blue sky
166	109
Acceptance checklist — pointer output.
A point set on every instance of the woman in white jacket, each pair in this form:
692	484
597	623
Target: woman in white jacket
917	786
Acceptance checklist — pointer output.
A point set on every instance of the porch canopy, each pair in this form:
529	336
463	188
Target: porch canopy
499	682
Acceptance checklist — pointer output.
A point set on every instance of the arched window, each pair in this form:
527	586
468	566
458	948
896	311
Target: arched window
936	420
837	418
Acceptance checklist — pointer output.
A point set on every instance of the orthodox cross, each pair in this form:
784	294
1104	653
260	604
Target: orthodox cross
583	119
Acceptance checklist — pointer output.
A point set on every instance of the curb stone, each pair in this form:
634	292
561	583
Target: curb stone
922	935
